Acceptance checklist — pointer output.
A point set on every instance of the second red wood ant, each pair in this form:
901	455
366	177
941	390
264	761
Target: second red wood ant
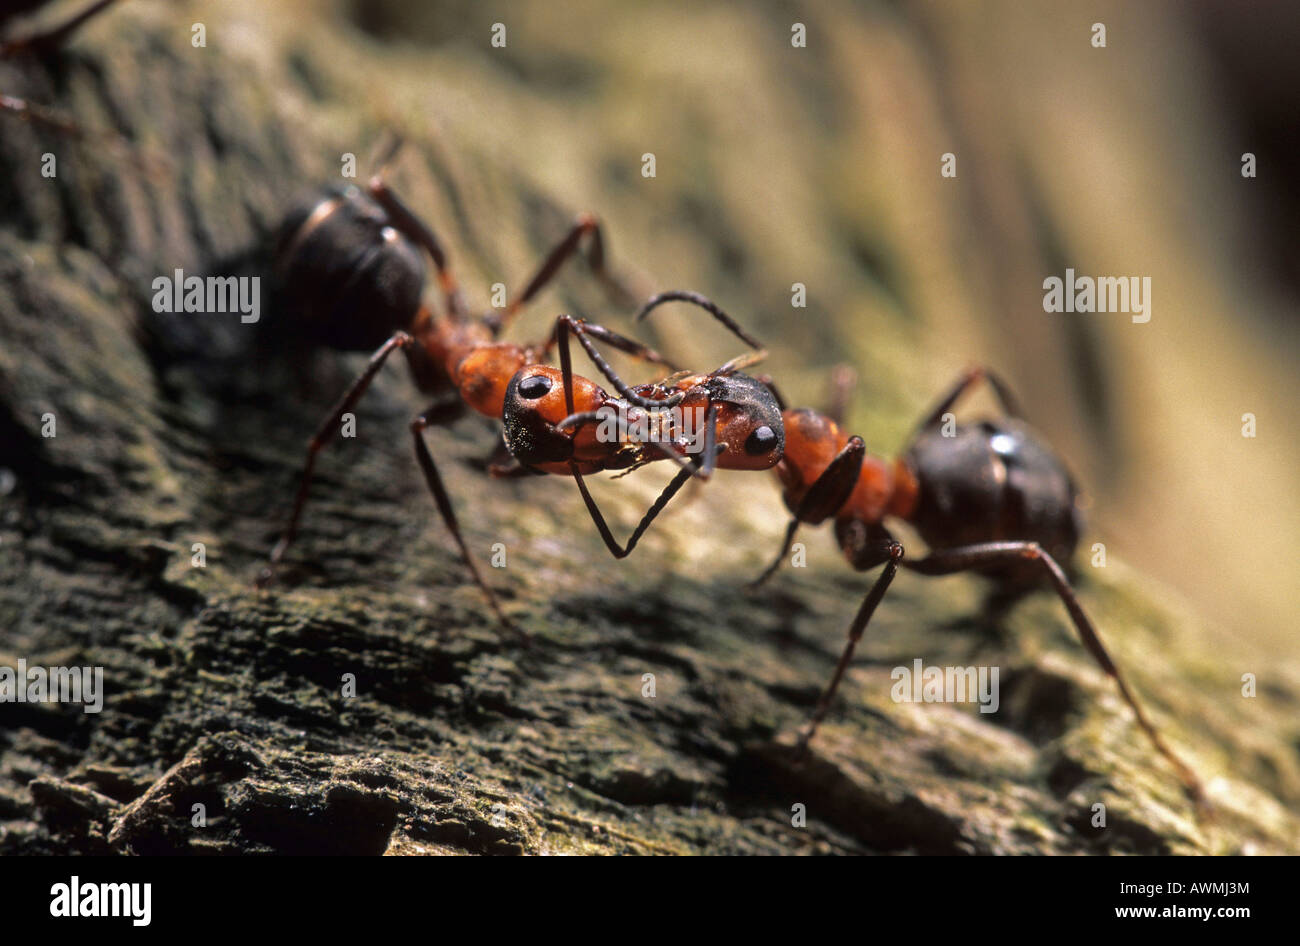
988	497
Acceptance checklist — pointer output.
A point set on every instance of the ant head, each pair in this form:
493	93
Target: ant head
535	405
749	421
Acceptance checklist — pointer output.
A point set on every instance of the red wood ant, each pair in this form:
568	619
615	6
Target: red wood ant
989	497
359	252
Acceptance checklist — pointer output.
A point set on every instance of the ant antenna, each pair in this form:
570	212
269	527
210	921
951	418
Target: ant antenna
705	303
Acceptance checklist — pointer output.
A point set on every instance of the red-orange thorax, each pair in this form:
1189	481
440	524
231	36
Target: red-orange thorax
479	367
812	441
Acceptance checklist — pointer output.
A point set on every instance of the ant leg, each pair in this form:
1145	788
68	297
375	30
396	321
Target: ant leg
501	464
53	37
827	494
624	344
152	161
741	361
42	116
406	221
443	501
843	380
385	153
602	527
949	561
588	226
891	553
1000	388
323	436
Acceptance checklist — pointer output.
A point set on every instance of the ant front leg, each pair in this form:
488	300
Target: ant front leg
443	501
322	437
891	553
586	225
824	498
53	37
964	558
669	491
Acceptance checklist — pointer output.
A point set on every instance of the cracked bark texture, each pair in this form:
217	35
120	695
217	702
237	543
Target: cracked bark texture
181	429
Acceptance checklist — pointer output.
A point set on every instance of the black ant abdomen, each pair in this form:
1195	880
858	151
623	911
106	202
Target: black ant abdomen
350	278
994	481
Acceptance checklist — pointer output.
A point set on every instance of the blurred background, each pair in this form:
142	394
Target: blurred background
820	165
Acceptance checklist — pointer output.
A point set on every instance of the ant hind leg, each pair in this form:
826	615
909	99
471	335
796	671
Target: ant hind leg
890	552
965	558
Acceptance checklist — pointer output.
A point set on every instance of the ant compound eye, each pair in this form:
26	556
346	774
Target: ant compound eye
760	441
534	387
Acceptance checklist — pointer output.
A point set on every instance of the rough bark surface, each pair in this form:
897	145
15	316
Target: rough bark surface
174	430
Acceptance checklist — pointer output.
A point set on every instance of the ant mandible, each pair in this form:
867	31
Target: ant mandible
990	498
359	251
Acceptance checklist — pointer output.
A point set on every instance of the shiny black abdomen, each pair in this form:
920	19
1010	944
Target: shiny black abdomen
993	481
351	279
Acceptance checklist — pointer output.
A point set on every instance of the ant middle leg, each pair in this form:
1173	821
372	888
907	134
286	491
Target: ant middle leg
323	435
406	221
965	558
963	384
586	225
443	501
